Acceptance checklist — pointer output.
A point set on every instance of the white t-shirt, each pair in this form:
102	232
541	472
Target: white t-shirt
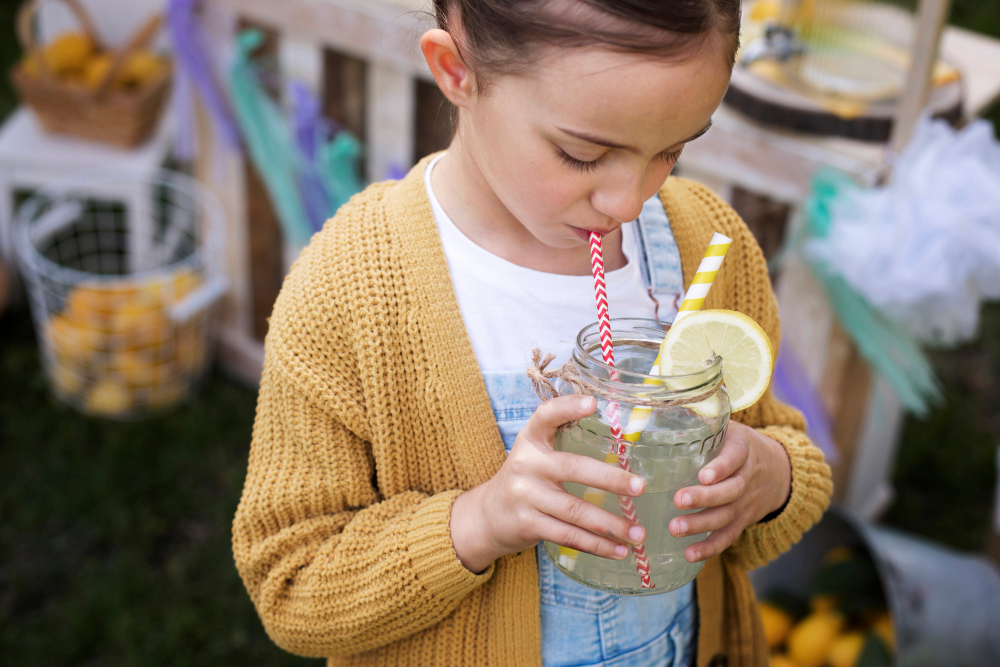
508	309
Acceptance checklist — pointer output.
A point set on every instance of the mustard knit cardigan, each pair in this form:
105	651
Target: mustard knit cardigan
372	417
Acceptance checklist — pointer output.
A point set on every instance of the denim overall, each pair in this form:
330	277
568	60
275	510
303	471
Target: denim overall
581	625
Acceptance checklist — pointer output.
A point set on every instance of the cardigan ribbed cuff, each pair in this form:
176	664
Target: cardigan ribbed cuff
810	496
432	552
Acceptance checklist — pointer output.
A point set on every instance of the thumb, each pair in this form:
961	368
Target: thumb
555	412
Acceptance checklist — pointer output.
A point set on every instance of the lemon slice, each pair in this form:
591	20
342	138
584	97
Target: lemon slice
710	408
747	358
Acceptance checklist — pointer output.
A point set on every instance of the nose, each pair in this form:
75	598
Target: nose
620	200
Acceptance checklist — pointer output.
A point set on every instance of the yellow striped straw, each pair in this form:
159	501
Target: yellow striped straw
694	299
638	420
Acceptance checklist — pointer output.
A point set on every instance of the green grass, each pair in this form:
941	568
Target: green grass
115	537
946	470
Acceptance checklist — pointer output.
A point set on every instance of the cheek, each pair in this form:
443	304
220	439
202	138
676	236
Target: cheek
532	184
657	174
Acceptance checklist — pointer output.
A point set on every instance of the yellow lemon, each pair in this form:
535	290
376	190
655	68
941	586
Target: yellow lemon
824	603
150	331
74	342
810	641
747	357
97	69
68	52
883	628
109	398
92	304
846	649
777	622
140	68
779	660
139	369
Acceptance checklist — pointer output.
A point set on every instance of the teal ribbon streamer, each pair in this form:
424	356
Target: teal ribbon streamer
280	160
888	349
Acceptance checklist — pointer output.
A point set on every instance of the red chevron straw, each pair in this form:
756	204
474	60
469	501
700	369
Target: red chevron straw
614	418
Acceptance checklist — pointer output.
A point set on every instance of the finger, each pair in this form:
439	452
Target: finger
566	467
585	514
552	414
734	454
696	523
714	545
722	493
567	535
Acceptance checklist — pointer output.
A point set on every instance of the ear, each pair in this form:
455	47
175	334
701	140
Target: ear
453	77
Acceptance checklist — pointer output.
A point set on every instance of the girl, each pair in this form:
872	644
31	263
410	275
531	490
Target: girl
402	471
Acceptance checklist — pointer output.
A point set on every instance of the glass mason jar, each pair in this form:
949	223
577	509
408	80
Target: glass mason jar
685	423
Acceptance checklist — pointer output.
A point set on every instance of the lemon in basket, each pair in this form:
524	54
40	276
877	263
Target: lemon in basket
846	649
68	53
74	342
811	640
109	397
96	70
139	69
777	622
747	357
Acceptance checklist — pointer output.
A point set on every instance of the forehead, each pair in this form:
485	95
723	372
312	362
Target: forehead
633	99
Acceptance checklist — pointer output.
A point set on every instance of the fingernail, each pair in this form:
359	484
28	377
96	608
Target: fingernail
635	534
697	555
707	476
585	403
635	484
680	527
621	551
685	500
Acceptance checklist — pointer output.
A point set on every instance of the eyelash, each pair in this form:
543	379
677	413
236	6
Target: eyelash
586	167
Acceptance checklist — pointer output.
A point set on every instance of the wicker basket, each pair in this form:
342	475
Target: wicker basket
124	118
125	328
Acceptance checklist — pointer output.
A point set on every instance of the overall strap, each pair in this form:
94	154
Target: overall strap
659	258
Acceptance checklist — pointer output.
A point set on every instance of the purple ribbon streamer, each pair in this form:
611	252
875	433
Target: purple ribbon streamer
791	385
310	130
186	131
192	57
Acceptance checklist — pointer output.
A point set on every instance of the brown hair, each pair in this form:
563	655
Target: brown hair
502	36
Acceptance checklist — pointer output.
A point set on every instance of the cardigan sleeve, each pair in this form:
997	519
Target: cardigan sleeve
743	285
333	567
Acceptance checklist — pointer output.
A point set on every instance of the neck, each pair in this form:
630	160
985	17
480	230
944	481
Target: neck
474	207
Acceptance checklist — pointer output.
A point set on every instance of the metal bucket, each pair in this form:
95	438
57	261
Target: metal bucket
945	606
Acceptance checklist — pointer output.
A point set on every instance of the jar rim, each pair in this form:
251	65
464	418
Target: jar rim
711	372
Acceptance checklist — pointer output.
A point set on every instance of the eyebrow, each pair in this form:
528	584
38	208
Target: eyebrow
631	149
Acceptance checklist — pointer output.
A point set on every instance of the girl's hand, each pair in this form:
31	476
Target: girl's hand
525	502
750	478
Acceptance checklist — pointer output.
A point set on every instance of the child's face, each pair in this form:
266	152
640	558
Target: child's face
537	138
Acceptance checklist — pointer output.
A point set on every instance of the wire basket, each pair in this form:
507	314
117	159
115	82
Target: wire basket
122	299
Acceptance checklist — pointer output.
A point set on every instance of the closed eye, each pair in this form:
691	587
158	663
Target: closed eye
581	165
670	157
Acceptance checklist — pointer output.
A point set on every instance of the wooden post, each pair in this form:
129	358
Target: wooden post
391	104
931	19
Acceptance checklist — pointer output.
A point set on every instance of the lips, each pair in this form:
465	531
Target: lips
585	233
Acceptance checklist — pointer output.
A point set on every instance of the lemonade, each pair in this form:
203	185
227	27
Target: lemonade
677	442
